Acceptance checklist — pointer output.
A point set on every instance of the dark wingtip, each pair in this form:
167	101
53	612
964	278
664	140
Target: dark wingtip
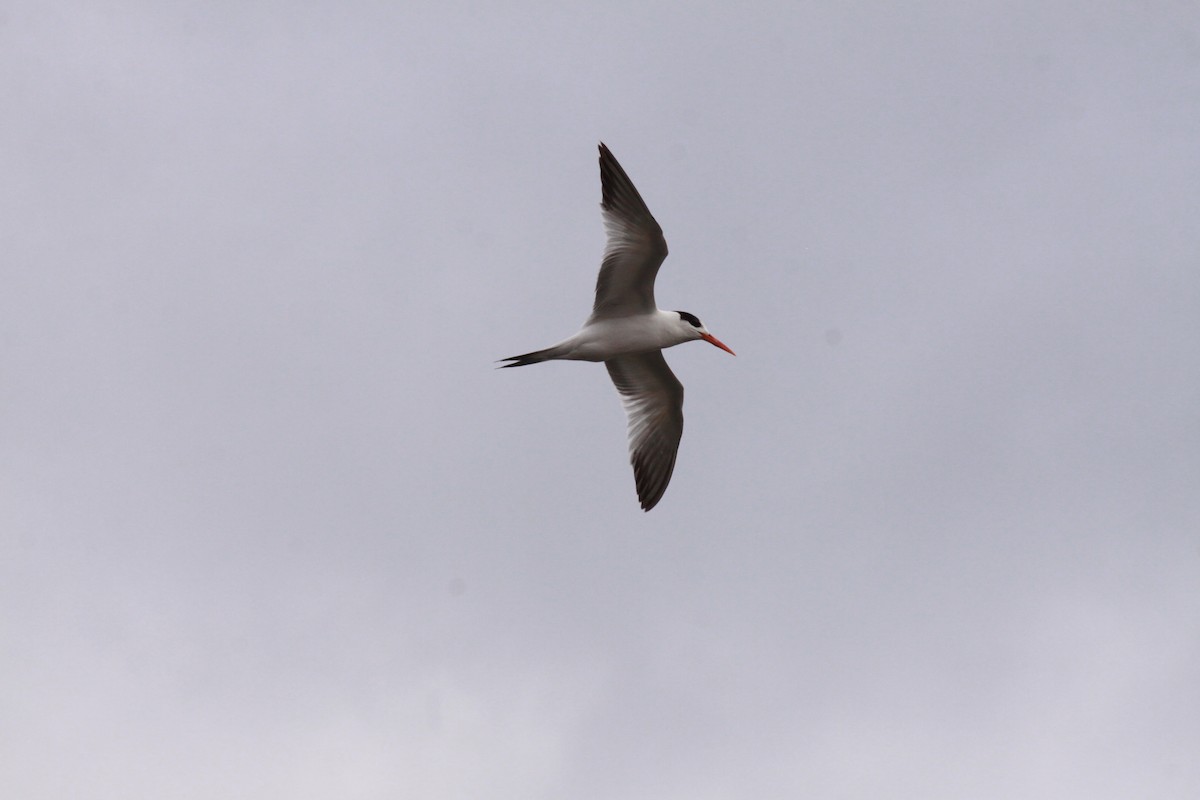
651	500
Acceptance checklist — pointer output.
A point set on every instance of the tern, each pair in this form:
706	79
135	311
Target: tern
628	332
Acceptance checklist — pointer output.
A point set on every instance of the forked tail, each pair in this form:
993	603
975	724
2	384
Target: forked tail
536	357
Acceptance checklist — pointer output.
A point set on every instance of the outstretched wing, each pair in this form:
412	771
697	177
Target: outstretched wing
653	400
635	249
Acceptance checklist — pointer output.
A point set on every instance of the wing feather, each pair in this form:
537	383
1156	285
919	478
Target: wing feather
635	248
653	401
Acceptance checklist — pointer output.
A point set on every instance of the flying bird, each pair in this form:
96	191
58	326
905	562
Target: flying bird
628	332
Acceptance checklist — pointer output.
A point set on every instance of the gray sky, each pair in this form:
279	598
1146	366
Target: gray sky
274	527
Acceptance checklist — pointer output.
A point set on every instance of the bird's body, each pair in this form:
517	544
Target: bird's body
628	332
607	338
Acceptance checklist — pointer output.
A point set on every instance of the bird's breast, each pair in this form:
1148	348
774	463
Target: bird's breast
601	340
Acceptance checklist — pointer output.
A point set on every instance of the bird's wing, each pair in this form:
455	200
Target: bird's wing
653	400
635	249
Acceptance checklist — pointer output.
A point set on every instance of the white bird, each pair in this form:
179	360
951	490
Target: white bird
628	332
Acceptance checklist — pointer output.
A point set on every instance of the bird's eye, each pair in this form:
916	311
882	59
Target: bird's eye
691	319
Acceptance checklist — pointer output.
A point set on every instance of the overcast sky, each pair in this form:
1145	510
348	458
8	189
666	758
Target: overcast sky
272	525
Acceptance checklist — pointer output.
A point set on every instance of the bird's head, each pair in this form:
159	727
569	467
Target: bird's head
693	328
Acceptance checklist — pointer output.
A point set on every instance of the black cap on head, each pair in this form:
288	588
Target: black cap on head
690	318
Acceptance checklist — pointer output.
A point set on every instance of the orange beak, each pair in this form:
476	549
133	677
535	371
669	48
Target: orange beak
715	342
